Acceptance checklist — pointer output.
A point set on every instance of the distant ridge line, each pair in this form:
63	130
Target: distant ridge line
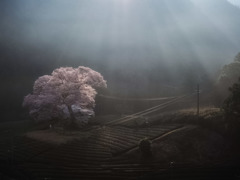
136	99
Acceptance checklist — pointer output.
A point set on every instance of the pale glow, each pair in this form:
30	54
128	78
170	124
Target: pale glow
130	31
235	2
125	1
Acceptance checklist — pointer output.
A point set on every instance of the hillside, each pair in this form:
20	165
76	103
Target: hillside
180	149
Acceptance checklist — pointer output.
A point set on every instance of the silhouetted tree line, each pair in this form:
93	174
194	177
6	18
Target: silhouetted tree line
231	108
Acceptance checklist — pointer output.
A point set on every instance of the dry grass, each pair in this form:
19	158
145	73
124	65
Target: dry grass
202	111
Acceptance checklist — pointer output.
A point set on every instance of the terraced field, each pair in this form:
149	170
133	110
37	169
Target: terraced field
97	157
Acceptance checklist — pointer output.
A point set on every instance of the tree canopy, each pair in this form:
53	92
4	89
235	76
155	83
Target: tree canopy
237	57
231	108
230	73
231	105
64	93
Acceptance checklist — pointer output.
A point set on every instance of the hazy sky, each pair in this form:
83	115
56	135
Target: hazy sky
235	2
138	45
118	32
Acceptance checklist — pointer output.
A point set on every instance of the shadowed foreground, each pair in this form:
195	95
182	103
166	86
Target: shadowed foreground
179	151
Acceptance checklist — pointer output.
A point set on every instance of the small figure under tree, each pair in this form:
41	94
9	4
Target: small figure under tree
63	93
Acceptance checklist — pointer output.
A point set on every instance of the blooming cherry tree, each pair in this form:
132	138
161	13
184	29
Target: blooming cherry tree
57	95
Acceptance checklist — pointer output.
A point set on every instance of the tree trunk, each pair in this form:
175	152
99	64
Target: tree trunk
72	117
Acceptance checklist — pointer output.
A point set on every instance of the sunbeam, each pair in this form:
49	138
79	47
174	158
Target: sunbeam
235	2
116	89
142	47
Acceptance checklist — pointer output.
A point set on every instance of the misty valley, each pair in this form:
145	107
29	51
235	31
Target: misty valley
120	89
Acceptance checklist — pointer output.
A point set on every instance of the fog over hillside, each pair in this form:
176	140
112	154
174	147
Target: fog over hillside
141	47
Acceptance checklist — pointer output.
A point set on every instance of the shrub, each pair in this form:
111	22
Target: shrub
145	147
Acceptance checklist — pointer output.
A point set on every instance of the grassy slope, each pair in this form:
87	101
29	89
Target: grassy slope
205	142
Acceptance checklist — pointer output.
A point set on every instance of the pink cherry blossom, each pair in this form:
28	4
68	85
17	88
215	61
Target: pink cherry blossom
64	88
